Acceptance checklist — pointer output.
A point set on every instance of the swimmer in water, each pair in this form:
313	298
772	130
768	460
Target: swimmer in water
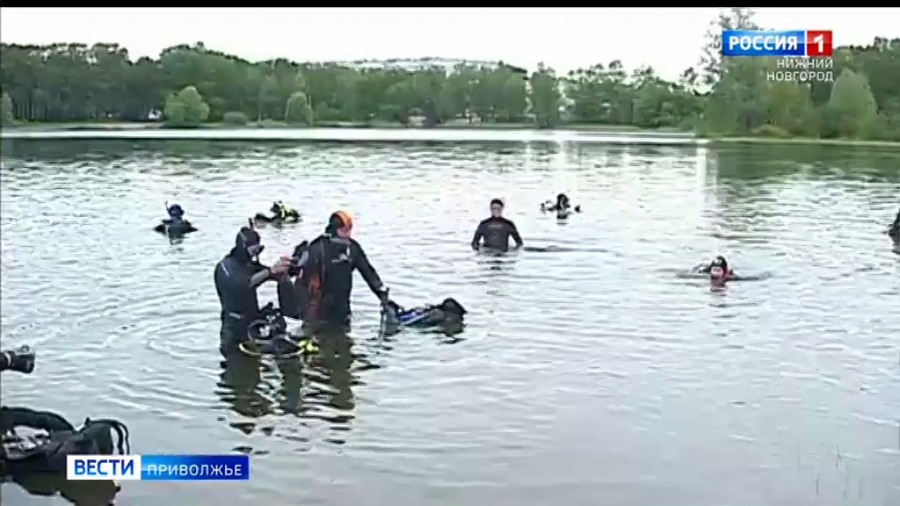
281	213
494	232
719	272
176	223
563	206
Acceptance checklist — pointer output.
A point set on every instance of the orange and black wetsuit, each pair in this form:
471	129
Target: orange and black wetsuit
328	275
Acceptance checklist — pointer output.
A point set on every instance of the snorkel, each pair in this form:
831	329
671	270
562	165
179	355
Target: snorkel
174	211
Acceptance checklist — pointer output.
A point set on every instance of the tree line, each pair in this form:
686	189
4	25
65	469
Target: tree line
190	85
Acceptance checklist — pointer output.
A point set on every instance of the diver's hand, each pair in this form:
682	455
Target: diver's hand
281	267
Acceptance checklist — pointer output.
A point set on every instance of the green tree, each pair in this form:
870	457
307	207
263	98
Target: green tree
297	110
545	97
723	96
853	105
6	109
186	108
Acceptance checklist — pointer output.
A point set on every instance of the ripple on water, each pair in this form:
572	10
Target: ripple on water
588	372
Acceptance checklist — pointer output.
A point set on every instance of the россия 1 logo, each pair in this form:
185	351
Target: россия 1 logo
777	43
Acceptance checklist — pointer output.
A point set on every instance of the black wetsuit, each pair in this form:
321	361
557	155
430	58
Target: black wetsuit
495	233
328	269
237	277
175	226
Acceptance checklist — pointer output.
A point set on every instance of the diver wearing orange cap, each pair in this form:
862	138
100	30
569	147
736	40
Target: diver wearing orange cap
327	272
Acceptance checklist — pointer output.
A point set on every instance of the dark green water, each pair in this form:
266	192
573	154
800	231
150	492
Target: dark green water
591	375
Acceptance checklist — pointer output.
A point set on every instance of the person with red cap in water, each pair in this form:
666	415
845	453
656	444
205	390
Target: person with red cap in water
326	271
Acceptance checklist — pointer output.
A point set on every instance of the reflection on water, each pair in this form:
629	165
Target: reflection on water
316	388
588	372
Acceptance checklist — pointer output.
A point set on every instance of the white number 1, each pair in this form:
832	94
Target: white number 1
820	41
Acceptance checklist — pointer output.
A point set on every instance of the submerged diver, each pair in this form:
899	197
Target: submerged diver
447	312
175	224
326	270
894	230
281	213
563	206
494	233
237	276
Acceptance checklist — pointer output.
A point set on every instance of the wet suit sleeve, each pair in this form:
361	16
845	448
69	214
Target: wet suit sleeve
361	262
514	232
479	233
261	275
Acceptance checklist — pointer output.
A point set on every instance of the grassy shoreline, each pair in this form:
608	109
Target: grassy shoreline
804	141
593	128
127	126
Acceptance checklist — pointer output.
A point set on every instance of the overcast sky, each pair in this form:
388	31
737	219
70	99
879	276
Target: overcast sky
668	39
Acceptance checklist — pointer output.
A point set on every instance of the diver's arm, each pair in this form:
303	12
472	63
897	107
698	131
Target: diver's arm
361	262
479	233
514	232
262	275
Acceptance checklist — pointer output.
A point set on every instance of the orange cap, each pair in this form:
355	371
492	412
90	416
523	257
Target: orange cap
346	219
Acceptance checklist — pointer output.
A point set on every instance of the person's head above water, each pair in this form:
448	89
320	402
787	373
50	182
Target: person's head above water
340	224
247	244
497	208
276	206
562	201
175	211
718	269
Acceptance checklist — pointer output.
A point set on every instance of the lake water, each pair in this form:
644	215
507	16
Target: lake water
591	375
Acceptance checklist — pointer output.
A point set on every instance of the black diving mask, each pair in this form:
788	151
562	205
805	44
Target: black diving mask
249	241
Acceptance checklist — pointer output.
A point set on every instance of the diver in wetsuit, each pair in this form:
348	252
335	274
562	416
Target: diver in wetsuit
176	223
327	273
563	206
237	277
494	232
281	213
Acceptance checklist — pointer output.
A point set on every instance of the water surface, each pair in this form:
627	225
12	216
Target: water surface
588	375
